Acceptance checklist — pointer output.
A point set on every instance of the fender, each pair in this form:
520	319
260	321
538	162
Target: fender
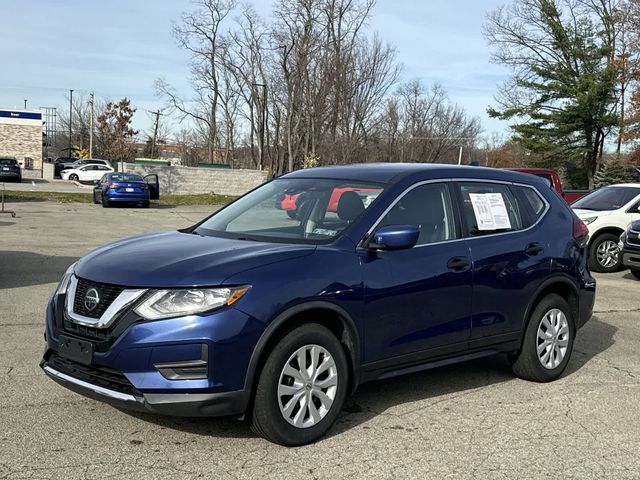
557	278
282	318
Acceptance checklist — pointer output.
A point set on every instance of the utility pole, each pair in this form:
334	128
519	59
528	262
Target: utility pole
25	103
70	118
155	132
91	126
263	121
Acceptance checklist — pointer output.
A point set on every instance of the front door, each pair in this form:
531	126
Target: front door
419	298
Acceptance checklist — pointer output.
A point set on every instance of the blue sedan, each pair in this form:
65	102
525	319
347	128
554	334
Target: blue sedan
118	187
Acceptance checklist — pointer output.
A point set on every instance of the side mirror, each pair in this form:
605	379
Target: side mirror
395	237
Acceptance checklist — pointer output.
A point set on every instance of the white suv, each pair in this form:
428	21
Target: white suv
607	212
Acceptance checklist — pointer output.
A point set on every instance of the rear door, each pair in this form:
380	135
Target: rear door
154	186
419	299
509	251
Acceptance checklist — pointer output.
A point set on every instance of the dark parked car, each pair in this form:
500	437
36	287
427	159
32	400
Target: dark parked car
251	312
10	170
630	248
115	187
60	163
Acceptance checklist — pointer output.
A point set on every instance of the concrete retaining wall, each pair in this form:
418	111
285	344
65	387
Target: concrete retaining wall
191	180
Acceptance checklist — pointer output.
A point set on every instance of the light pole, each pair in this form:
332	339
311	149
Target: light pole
70	118
25	103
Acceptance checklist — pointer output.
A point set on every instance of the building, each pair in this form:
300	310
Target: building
21	137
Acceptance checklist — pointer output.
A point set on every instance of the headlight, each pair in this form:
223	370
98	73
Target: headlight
589	220
176	303
66	278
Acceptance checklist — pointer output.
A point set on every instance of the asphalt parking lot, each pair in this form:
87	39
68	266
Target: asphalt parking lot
473	420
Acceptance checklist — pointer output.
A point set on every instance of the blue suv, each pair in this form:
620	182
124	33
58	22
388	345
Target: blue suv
275	315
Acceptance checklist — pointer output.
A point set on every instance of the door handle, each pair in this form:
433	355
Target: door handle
458	264
533	249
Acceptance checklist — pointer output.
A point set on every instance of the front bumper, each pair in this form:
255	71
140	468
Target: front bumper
631	258
12	175
173	404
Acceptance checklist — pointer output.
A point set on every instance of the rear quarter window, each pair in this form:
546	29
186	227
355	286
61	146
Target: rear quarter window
531	204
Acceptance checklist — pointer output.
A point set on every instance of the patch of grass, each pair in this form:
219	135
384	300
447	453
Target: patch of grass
82	197
198	199
61	197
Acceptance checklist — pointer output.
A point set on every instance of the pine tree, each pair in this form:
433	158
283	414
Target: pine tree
610	173
563	87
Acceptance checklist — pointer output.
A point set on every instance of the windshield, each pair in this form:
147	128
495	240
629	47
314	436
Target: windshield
607	198
126	177
8	162
297	210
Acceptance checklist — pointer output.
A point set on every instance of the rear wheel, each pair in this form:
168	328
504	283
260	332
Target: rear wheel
301	388
105	202
145	204
604	253
635	272
548	341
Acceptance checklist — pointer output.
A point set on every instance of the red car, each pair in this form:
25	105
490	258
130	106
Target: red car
552	177
368	195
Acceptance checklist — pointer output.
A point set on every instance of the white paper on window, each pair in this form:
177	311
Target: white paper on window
490	211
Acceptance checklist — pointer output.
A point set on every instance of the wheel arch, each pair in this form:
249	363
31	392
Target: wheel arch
612	229
323	313
560	285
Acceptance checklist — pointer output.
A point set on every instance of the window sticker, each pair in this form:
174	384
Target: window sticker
324	231
490	211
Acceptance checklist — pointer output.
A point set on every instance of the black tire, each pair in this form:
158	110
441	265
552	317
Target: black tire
594	264
73	177
526	364
95	199
105	202
635	272
145	204
268	421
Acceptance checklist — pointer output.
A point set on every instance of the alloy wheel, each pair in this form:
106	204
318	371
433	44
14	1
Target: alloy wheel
307	386
608	253
553	338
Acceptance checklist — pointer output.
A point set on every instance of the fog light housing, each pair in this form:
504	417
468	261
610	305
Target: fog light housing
186	369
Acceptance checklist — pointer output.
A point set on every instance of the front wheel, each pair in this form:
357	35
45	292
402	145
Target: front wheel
604	254
635	272
73	177
548	341
301	388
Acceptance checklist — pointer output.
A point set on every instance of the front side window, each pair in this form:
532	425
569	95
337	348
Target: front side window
607	198
489	208
428	207
296	210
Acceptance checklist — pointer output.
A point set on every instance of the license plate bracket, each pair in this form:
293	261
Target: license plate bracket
75	349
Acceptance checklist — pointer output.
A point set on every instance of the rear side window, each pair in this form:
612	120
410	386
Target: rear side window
532	206
428	207
489	208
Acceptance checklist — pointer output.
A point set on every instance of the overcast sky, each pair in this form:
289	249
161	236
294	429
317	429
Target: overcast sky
118	48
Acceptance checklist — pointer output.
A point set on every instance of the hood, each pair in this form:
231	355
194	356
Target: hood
175	259
591	213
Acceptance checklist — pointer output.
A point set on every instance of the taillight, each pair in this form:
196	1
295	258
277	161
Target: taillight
113	186
580	230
